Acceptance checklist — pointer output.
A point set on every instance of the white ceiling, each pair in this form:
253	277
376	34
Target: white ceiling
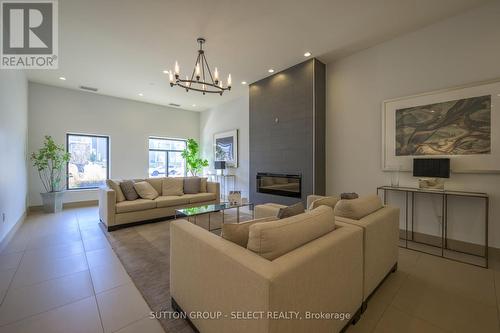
121	47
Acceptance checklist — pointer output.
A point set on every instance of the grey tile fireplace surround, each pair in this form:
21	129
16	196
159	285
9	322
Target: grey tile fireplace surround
287	129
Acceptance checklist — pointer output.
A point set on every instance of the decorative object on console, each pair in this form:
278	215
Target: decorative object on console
455	122
194	163
49	161
201	78
220	165
234	197
226	148
434	169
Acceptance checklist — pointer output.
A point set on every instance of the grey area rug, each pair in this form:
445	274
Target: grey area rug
145	253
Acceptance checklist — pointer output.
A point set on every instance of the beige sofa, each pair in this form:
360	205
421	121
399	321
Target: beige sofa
116	214
380	225
213	275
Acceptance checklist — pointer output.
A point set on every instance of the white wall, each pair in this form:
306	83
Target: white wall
229	116
13	165
460	50
56	111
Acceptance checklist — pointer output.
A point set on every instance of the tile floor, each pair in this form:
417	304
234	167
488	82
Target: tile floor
59	274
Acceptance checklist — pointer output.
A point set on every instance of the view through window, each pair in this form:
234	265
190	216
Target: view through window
89	163
165	158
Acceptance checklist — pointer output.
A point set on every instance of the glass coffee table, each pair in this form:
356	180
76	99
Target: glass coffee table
208	209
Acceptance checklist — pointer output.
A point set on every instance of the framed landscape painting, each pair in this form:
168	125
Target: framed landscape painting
460	123
226	148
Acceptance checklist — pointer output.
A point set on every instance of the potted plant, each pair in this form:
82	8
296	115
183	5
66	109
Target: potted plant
49	161
191	154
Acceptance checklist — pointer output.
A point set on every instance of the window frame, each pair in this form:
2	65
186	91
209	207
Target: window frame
166	151
108	167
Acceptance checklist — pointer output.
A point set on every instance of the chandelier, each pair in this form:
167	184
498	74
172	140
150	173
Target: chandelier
201	79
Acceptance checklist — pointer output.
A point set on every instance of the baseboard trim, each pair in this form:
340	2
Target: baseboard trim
452	244
74	204
12	232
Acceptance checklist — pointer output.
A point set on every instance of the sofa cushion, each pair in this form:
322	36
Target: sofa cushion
238	232
274	239
133	206
171	200
145	190
358	208
156	183
128	190
203	185
200	197
192	185
172	186
327	201
115	186
292	210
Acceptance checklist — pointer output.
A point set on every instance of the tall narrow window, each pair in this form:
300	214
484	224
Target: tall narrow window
165	158
89	163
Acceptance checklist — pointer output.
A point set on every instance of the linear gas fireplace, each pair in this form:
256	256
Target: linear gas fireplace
279	184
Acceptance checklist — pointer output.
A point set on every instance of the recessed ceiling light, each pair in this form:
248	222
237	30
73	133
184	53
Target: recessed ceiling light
243	82
165	72
193	105
498	95
62	78
307	54
141	94
270	70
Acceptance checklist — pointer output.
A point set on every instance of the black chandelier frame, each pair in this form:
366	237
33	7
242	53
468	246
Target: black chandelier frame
198	81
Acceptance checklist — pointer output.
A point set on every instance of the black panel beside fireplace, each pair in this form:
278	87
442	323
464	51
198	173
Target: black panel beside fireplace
279	184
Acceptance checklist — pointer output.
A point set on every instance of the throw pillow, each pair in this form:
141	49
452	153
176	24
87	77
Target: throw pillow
292	210
203	185
146	190
349	196
192	185
172	186
326	201
115	186
273	239
128	190
238	232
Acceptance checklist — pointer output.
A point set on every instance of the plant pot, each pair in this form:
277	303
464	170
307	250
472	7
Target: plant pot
52	201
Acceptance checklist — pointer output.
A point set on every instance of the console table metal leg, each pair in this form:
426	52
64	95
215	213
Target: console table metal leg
486	222
412	216
445	221
237	214
406	219
209	229
443	204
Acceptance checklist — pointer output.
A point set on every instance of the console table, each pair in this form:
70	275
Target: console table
410	193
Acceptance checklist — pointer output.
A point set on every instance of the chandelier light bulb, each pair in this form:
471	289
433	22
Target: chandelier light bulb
220	83
198	69
188	83
177	70
229	81
216	74
171	76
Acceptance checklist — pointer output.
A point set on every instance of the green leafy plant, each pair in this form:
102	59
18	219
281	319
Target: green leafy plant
192	156
49	162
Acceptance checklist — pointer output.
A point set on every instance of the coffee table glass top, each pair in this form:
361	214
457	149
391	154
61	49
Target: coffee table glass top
205	209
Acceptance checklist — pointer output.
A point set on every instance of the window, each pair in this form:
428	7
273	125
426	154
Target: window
165	158
89	163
